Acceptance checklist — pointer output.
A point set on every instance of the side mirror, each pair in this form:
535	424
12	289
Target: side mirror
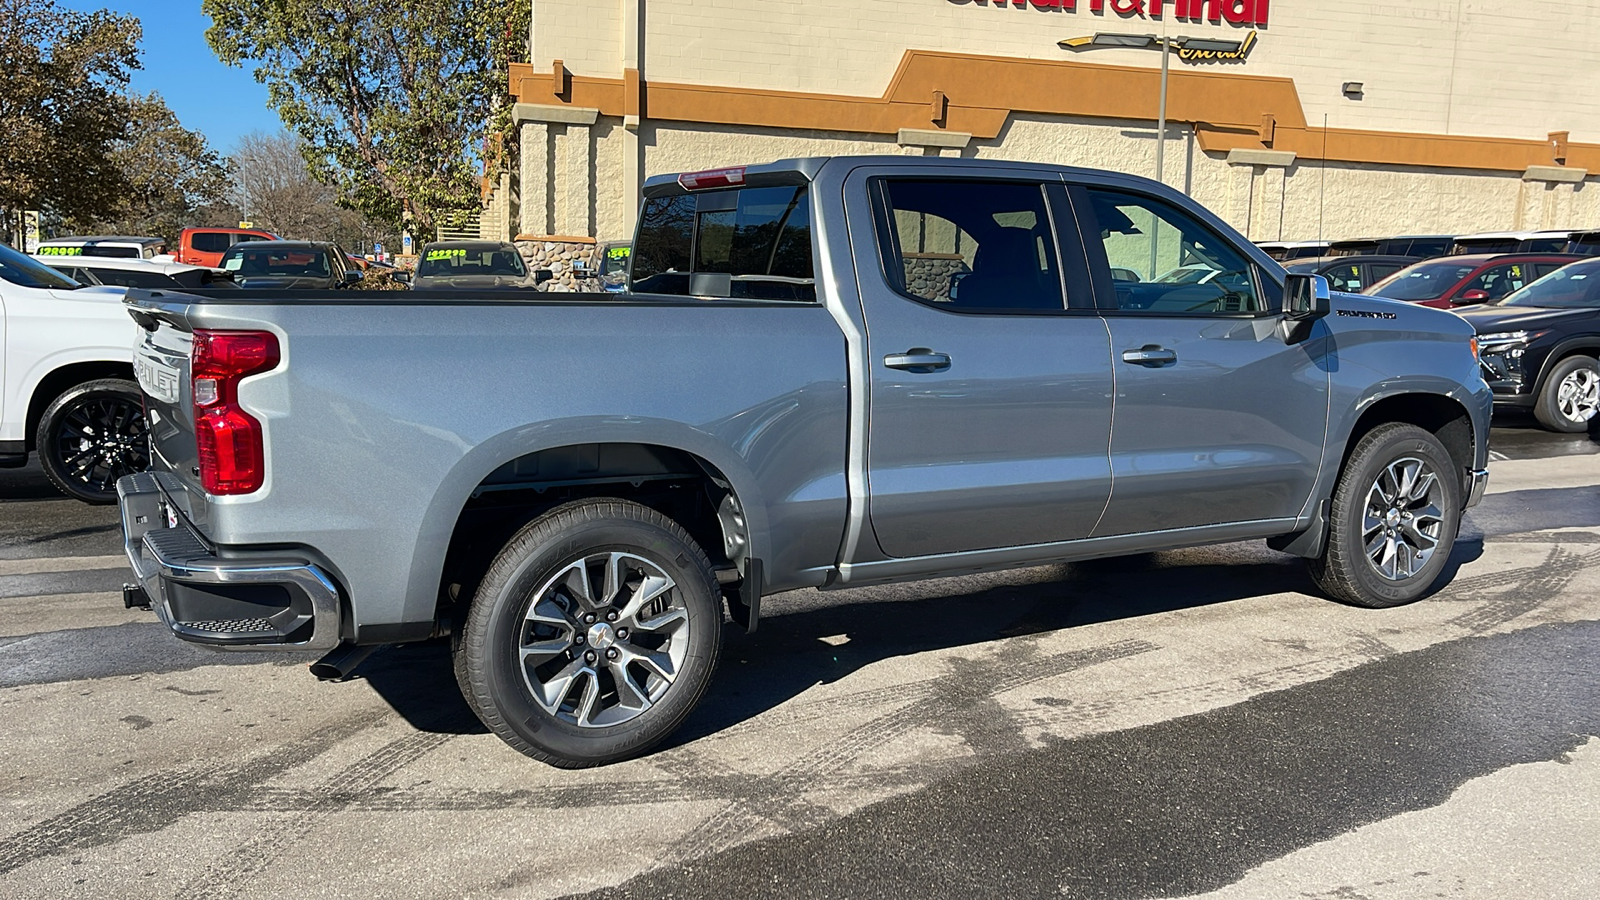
1476	295
402	277
353	276
1306	297
540	276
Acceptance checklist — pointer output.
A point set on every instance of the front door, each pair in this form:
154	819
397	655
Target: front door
990	409
1217	419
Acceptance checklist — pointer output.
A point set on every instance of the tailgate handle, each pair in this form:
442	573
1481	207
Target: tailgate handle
918	359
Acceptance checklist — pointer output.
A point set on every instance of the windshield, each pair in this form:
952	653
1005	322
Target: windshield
1425	281
288	262
1574	287
20	270
450	262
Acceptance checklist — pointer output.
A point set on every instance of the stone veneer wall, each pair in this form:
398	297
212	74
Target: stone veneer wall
928	274
560	255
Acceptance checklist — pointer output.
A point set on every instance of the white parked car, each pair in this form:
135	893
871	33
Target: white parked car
153	274
67	388
114	246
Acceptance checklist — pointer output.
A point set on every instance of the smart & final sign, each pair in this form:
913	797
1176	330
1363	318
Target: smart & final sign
1235	12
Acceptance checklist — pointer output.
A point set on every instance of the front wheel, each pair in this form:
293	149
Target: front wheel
92	435
1571	395
1395	513
593	635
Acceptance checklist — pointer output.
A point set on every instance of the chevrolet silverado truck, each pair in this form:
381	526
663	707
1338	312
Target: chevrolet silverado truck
825	373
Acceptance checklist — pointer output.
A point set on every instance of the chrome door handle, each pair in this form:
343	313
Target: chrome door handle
1150	355
918	359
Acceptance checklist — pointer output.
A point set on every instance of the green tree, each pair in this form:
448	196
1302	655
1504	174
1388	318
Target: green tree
392	101
170	175
62	109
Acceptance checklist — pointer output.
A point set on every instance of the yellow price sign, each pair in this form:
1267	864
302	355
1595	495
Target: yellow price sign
60	251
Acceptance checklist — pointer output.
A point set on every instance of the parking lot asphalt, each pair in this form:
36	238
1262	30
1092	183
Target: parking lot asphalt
1193	723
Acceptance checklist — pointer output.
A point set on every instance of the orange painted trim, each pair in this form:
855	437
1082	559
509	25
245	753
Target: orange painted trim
1444	151
1230	109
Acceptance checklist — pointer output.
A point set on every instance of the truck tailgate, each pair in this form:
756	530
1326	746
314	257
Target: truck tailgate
161	363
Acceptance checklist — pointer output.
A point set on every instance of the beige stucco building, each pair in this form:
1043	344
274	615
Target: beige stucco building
1345	118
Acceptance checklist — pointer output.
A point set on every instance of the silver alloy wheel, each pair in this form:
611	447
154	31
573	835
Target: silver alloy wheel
603	639
1404	521
1578	395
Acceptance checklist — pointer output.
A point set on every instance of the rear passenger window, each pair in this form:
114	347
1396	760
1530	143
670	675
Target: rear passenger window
747	244
1164	262
129	278
979	246
1380	271
209	241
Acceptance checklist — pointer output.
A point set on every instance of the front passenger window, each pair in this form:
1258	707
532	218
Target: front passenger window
1164	262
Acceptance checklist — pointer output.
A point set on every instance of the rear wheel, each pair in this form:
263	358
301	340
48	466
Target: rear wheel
92	435
1394	518
1571	395
593	635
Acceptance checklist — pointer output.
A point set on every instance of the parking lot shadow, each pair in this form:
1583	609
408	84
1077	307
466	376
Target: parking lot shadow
824	642
810	638
419	683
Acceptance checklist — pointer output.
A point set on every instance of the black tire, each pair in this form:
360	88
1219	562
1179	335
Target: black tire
497	678
92	435
1585	371
1346	570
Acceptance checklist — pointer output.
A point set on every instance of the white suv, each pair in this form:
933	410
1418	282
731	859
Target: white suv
66	380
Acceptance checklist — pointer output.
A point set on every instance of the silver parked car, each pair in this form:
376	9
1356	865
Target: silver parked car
473	265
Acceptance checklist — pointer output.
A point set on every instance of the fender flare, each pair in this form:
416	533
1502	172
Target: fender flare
456	487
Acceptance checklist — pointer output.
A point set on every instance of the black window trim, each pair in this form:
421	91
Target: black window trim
1100	264
1049	189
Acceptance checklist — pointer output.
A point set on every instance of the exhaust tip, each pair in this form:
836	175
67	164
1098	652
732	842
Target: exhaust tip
341	662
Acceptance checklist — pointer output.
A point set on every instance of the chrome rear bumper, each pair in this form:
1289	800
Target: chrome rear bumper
265	601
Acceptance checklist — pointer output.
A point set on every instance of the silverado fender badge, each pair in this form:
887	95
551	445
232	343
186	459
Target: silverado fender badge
1366	314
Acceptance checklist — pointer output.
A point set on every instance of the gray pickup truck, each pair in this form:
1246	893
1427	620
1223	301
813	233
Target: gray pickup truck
825	373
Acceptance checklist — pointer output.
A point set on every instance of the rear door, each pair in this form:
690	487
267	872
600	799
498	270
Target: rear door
990	380
1217	420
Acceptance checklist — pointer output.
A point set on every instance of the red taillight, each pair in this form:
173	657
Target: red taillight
715	178
232	451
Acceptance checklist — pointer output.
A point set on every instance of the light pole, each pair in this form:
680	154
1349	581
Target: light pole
1166	46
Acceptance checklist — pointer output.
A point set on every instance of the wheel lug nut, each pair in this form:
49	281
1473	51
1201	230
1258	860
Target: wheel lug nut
578	639
589	657
622	634
612	653
588	618
611	616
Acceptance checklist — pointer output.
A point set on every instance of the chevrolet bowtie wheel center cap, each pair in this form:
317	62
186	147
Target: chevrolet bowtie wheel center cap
602	636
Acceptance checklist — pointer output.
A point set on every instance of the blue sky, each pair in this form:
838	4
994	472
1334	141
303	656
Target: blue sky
215	100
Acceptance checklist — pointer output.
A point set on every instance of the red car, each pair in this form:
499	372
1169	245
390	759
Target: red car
205	246
1451	281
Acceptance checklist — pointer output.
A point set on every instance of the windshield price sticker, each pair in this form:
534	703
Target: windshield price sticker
618	252
60	251
446	254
